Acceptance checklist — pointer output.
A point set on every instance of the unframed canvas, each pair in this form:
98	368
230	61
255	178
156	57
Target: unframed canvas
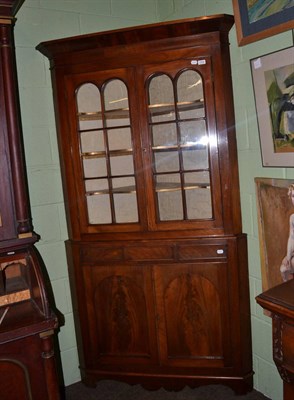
275	207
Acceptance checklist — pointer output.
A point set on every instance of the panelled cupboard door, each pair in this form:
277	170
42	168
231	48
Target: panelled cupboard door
106	163
180	144
193	314
121	318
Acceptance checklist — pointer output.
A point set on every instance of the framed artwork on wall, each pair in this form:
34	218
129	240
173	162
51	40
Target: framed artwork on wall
275	197
258	19
273	84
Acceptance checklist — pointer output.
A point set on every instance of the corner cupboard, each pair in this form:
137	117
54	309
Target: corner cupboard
156	253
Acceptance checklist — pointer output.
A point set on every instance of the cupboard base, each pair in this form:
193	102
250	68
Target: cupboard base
240	385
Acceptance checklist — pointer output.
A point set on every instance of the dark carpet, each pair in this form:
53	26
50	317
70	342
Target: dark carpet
112	390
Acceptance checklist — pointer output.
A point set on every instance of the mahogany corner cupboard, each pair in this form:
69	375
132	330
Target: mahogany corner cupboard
157	257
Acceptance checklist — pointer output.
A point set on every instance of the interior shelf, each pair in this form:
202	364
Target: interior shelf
194	146
154	109
102	154
162	187
125	152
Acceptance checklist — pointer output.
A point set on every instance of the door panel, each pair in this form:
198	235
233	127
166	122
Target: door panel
121	314
193	306
181	139
105	156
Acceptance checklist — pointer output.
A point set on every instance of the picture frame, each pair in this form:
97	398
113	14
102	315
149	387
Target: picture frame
255	20
273	85
273	198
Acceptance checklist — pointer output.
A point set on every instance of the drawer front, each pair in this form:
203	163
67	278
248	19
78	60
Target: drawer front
201	251
92	255
149	253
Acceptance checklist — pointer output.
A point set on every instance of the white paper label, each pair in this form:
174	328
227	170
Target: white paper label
257	63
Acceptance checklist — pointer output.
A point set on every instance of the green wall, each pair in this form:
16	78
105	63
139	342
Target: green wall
41	20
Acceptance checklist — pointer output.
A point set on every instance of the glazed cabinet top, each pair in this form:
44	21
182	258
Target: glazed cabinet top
146	130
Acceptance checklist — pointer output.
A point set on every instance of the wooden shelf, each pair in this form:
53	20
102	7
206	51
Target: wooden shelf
102	154
162	187
185	147
154	110
125	152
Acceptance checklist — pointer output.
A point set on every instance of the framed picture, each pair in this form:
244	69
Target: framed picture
275	197
273	84
258	19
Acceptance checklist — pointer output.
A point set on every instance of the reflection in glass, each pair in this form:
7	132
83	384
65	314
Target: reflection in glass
193	133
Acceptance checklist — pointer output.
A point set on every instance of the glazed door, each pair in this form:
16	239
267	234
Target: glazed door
193	313
105	159
181	145
121	317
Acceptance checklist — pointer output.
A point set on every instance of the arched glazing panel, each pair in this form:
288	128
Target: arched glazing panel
116	103
89	107
161	99
190	95
180	147
106	150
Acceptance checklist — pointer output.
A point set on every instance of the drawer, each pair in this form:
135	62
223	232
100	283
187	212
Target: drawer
92	255
149	253
201	251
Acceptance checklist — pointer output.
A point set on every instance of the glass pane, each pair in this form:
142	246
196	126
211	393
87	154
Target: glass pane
98	201
166	161
99	211
170	206
89	107
94	167
92	142
161	99
164	135
195	159
122	165
96	186
116	103
190	95
195	144
120	139
169	197
125	200
198	203
201	178
193	133
198	195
